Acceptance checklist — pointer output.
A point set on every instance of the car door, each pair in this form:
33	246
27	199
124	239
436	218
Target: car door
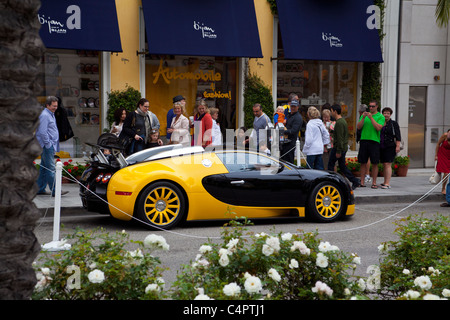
260	181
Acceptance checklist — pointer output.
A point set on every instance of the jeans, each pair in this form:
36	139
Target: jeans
47	170
447	195
315	161
342	167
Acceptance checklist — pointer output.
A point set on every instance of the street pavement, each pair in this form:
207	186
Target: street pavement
414	187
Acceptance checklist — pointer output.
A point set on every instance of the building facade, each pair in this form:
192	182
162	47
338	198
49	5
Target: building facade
307	47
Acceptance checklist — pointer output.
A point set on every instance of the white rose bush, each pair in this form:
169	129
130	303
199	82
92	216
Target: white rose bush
98	266
247	266
268	266
417	266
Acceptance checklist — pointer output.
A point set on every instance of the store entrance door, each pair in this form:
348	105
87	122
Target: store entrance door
416	126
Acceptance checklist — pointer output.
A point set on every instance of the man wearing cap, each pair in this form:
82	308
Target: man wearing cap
171	114
294	123
340	146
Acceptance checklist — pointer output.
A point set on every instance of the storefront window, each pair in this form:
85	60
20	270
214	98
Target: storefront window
73	76
320	82
211	78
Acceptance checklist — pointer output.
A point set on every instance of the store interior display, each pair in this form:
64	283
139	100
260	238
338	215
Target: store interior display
73	76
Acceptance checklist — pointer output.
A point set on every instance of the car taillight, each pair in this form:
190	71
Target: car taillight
106	177
99	177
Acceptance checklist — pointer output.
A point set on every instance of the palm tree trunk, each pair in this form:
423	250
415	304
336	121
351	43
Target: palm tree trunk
20	54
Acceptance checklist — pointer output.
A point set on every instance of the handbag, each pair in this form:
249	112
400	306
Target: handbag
436	176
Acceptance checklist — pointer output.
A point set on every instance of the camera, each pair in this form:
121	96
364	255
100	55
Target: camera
368	109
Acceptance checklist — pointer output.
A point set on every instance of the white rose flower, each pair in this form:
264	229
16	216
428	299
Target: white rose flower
406	271
321	260
423	282
321	287
446	293
324	246
286	236
205	248
382	248
253	285
274	274
293	264
274	242
430	296
301	246
231	289
267	250
412	294
96	276
154	241
224	260
152	287
362	284
232	244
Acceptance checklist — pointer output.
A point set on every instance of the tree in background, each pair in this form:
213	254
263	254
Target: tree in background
442	13
20	56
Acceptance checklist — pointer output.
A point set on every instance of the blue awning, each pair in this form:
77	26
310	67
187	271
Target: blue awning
333	30
226	28
81	24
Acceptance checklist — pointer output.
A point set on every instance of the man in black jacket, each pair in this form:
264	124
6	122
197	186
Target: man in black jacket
294	123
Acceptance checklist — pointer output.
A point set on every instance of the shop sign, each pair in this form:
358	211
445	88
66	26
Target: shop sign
333	40
313	100
73	21
207	32
168	74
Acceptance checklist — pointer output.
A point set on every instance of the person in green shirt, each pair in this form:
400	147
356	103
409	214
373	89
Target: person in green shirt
370	123
340	146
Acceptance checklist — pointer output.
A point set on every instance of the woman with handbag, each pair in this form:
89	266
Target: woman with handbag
136	128
390	139
442	156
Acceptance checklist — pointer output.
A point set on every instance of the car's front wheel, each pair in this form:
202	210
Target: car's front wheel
326	203
161	205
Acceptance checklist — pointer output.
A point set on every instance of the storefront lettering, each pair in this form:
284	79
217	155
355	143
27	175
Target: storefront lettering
207	32
169	74
373	22
334	41
72	22
217	94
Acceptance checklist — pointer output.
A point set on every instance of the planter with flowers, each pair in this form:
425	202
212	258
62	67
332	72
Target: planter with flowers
354	166
71	170
401	165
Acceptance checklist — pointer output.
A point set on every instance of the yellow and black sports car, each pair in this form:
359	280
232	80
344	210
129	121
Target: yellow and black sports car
163	186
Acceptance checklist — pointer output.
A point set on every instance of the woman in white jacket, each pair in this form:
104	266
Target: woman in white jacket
179	127
316	137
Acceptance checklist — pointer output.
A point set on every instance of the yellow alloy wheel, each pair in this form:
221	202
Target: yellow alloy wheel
161	205
327	203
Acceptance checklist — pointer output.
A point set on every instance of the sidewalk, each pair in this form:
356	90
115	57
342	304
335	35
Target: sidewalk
404	189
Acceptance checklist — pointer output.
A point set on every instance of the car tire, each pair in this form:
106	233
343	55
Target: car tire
161	205
326	202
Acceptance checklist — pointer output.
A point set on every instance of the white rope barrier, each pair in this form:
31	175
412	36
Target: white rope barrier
57	221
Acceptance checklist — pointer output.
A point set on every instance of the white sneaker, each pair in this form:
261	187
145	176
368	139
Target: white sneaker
368	179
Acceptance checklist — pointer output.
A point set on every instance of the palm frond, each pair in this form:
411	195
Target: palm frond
442	13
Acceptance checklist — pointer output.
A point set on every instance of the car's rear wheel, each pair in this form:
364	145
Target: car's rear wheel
161	205
326	203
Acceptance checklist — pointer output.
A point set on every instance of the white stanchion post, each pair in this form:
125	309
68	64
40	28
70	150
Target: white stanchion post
297	150
56	244
57	209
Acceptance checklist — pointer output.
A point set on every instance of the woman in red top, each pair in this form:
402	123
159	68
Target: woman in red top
202	125
443	158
